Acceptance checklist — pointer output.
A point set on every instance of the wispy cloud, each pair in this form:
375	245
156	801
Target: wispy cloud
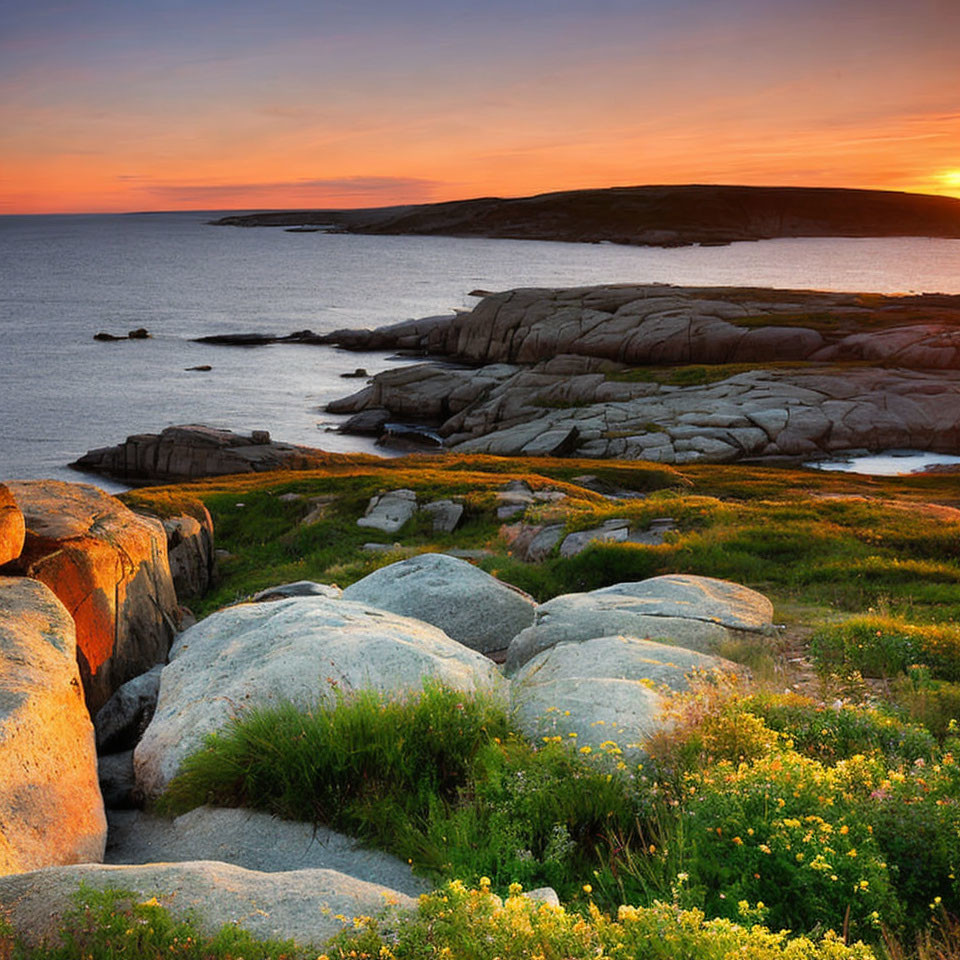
359	189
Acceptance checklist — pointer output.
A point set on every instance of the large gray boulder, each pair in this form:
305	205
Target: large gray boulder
304	650
689	611
51	811
302	905
605	689
255	841
462	600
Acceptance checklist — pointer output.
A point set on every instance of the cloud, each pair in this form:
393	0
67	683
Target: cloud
359	189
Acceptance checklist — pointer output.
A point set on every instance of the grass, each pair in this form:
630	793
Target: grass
441	779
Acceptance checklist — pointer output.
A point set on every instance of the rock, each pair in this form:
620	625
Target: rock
254	841
537	364
120	722
51	811
612	531
468	604
389	511
359	373
12	527
544	895
367	422
299	588
621	658
192	451
141	333
302	649
446	515
594	711
191	552
106	337
109	567
200	368
301	905
694	612
118	784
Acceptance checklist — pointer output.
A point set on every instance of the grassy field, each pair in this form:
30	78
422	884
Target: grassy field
836	806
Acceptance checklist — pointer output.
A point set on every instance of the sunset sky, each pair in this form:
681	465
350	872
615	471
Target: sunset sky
115	105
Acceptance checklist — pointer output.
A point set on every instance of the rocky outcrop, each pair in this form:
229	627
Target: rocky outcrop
191	552
302	905
12	528
389	511
109	567
688	611
304	650
466	603
254	841
761	414
650	215
189	452
566	372
605	691
51	811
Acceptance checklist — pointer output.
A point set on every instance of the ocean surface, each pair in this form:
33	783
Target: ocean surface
64	278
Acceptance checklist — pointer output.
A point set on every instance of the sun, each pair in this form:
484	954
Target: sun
950	178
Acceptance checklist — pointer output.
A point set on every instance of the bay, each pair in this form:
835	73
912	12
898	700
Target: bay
64	278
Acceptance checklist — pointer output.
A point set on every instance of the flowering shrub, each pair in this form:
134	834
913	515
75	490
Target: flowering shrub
466	924
832	734
752	835
885	646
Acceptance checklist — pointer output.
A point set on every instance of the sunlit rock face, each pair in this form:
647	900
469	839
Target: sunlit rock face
50	807
109	567
11	527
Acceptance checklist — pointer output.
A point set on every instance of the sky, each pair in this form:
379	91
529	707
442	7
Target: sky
121	105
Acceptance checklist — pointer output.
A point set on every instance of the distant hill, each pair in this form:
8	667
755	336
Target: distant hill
649	216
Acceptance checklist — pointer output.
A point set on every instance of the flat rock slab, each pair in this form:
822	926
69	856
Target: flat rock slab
303	650
701	598
389	511
694	612
12	528
301	905
468	604
51	811
446	514
254	841
299	588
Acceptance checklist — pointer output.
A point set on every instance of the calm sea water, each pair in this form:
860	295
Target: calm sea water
64	278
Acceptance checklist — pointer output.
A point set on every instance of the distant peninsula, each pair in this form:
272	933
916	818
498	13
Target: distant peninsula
662	216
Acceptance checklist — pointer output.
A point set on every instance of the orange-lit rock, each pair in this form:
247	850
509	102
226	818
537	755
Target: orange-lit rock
11	527
109	567
50	807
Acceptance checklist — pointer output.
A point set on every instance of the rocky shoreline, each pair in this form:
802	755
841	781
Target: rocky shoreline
674	374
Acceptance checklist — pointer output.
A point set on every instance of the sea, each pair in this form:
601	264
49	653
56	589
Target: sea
65	278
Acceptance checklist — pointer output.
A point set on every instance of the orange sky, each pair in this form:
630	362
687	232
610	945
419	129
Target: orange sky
107	105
